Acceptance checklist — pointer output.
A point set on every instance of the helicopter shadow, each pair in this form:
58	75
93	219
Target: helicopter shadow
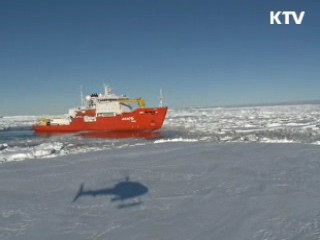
126	192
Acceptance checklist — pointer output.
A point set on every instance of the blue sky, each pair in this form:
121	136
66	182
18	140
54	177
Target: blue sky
201	53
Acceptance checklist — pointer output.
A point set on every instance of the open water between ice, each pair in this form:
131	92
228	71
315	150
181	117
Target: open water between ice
274	124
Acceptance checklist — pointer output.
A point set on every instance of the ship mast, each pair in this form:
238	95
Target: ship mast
81	96
161	98
107	90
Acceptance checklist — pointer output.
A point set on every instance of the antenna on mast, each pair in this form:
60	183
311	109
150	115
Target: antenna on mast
81	96
161	98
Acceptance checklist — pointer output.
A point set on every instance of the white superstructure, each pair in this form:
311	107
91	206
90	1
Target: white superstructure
97	105
108	104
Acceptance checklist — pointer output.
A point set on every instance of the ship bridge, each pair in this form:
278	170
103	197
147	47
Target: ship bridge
110	104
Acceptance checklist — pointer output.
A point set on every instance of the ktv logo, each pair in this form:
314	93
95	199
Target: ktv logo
285	16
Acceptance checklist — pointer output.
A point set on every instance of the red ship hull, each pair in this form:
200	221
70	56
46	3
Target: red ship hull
142	119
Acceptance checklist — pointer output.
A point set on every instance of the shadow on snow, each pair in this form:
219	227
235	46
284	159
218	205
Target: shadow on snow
122	191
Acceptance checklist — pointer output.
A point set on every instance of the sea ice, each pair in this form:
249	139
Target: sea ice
174	190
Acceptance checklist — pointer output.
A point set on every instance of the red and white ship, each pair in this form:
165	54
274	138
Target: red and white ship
106	113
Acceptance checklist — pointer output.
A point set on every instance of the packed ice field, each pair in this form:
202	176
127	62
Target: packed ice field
265	124
249	173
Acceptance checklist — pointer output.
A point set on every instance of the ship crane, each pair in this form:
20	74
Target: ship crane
140	101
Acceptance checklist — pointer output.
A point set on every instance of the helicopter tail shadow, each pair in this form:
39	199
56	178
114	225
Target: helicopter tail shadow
80	191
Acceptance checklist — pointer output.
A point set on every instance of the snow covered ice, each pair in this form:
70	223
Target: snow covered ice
16	121
287	123
195	191
213	173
